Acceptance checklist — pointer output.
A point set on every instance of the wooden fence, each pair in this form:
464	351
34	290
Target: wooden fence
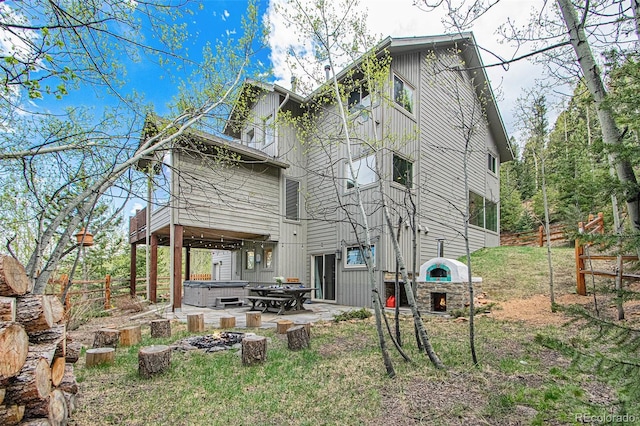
102	291
536	238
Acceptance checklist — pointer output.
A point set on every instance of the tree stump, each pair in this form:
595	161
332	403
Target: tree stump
36	422
307	326
53	407
106	338
195	323
297	338
97	356
14	347
33	383
57	371
254	350
283	326
153	360
227	321
130	336
7	308
13	277
254	318
160	328
34	313
11	414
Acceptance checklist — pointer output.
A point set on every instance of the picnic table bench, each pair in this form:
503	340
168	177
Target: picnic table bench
281	300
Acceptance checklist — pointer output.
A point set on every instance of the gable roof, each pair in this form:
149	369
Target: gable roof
466	44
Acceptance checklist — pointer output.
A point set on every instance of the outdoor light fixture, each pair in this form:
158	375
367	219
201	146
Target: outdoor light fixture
339	254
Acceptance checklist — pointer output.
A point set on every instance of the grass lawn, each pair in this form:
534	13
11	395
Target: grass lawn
340	379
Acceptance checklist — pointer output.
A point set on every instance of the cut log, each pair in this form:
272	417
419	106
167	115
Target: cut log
283	326
98	356
57	371
254	350
307	326
7	309
14	348
34	312
297	338
56	335
69	383
195	323
36	422
33	383
13	277
71	402
254	319
53	407
227	321
72	353
45	350
106	338
130	336
57	309
160	328
2	392
153	360
11	414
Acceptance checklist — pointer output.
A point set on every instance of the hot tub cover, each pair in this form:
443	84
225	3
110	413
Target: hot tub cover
442	269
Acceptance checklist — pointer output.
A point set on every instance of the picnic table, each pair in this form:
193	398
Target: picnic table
280	299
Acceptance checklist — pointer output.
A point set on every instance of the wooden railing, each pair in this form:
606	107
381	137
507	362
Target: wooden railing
535	238
102	291
200	277
138	226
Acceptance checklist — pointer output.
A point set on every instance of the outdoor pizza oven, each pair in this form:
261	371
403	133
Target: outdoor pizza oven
442	284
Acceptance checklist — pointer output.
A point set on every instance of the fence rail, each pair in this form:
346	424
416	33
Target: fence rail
535	238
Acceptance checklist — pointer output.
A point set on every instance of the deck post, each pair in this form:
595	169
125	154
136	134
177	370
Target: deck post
132	271
187	263
177	266
153	270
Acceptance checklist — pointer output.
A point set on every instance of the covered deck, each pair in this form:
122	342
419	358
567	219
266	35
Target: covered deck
187	237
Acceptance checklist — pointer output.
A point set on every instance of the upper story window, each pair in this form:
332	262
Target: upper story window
402	93
402	171
359	99
491	163
251	138
292	199
364	170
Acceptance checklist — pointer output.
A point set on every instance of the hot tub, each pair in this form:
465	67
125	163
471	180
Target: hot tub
214	293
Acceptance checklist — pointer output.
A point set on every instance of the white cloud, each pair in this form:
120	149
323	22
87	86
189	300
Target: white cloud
406	20
136	207
225	15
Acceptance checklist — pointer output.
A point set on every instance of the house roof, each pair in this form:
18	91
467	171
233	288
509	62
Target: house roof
466	43
243	151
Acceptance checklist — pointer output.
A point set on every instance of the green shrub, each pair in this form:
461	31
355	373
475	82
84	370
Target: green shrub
363	313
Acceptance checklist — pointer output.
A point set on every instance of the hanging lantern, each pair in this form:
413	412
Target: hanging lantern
85	238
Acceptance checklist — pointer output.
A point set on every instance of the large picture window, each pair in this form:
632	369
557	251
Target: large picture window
364	169
402	171
403	94
483	212
355	256
292	199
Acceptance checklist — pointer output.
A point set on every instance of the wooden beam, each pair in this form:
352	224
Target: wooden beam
177	266
132	271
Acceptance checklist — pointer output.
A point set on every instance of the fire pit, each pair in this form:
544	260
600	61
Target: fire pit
209	342
442	285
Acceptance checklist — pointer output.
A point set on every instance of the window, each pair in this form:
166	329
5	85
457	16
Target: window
491	162
269	130
476	209
491	215
292	199
250	259
402	94
268	258
364	169
359	99
251	138
402	171
355	256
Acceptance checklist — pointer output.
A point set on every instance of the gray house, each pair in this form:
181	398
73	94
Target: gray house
285	203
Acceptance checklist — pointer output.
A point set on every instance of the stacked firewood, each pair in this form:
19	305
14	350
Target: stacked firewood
37	383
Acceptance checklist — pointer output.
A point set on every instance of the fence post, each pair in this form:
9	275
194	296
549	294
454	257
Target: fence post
581	287
107	292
